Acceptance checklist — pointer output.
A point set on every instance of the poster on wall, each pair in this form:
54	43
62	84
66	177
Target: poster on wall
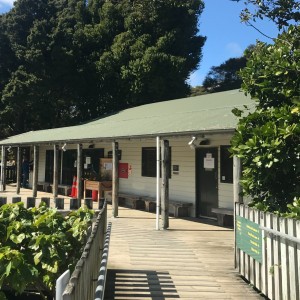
209	161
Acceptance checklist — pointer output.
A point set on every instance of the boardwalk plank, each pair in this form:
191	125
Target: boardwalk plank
191	260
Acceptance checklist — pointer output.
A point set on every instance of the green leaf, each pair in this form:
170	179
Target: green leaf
8	268
37	257
17	239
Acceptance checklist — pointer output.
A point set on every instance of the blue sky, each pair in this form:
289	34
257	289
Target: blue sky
226	36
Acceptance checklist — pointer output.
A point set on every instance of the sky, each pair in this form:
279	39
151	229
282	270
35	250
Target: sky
226	36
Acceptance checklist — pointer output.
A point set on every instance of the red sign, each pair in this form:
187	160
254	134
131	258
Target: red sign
123	170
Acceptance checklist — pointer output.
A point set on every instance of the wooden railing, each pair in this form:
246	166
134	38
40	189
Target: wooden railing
267	252
83	281
101	282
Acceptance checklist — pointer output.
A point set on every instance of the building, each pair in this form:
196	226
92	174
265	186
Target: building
198	130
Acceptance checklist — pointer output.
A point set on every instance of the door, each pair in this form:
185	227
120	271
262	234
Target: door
206	181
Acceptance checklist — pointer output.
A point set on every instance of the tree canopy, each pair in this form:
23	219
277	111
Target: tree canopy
65	62
225	76
282	12
268	139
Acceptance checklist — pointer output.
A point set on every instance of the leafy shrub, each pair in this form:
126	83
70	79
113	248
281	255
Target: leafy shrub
38	244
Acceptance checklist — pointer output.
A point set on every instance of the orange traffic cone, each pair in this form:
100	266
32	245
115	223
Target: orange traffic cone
74	187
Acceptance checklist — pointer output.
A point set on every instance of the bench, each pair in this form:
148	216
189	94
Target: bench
221	213
132	201
43	186
181	209
62	189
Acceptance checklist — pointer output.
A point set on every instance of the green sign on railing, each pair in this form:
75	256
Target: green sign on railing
249	237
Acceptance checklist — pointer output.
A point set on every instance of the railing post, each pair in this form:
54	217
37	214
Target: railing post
59	203
46	200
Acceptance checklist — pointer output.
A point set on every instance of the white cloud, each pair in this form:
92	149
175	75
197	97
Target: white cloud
7	2
234	49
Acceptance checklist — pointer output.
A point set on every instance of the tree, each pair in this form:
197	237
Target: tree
225	77
76	60
268	139
282	12
197	91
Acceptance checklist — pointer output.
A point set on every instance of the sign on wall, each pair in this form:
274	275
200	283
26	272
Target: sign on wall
249	237
123	170
209	161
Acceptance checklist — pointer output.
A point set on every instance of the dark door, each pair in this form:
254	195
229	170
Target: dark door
206	180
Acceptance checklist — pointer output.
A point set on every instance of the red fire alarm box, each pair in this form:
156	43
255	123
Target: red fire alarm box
123	170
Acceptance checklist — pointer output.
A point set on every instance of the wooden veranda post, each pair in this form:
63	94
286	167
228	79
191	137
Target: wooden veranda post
18	170
3	159
165	156
237	174
55	171
4	170
35	170
115	180
237	197
79	171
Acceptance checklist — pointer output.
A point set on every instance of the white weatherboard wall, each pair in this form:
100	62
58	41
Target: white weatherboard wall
182	185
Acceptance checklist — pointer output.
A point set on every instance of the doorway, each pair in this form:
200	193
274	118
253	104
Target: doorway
206	181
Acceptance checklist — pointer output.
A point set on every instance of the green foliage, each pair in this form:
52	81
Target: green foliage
225	77
293	209
268	142
268	139
272	72
281	12
64	62
38	244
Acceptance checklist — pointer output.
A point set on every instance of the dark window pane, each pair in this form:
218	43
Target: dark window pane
149	162
226	165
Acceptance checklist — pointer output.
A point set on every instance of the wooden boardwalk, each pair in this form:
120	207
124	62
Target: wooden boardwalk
191	260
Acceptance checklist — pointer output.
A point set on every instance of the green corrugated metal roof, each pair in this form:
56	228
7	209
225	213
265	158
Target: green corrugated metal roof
210	112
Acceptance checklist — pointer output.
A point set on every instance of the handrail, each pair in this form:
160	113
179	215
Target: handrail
100	289
82	283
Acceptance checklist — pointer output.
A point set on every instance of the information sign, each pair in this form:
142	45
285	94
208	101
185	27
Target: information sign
249	237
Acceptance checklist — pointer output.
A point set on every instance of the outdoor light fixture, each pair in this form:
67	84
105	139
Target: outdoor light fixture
195	141
192	143
64	147
9	148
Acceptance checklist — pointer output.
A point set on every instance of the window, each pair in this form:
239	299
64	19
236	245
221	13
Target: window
67	160
226	165
149	162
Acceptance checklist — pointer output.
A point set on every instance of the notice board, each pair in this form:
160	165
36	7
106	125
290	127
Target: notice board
249	237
